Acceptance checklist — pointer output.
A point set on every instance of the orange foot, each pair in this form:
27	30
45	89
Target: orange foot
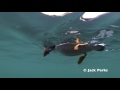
78	44
77	40
76	47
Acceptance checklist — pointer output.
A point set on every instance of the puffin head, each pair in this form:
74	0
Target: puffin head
48	50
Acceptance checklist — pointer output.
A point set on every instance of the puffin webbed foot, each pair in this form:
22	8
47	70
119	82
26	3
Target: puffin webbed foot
78	43
82	58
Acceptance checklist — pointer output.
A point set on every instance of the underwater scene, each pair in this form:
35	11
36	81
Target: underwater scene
36	45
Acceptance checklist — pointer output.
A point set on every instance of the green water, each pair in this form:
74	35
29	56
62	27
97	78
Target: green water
22	36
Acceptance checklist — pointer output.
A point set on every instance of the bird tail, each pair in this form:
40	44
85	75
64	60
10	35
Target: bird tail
99	47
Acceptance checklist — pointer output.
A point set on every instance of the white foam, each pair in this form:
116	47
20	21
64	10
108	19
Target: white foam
102	44
56	13
91	15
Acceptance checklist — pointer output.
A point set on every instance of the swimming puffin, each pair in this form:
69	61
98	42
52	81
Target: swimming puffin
75	48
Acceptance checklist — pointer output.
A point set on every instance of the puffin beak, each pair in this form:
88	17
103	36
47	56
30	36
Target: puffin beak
46	52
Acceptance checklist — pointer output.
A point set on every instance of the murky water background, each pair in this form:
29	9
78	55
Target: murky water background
22	36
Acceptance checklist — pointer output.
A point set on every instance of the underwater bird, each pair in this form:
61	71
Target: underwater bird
75	48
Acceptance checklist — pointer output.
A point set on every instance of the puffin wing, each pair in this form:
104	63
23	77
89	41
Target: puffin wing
82	58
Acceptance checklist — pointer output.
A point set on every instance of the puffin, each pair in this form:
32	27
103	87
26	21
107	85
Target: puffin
74	48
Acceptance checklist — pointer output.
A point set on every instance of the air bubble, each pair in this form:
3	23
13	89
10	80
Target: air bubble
106	50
